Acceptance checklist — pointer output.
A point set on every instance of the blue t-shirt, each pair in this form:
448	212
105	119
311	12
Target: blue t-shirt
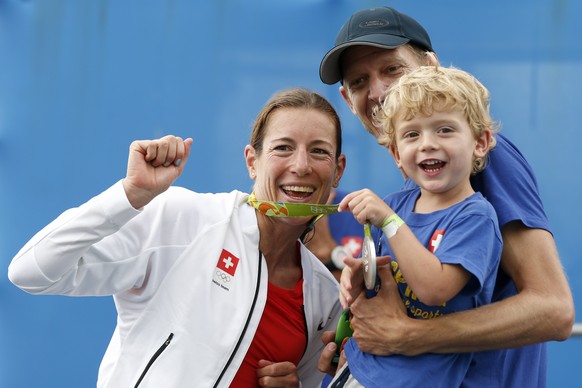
464	234
509	184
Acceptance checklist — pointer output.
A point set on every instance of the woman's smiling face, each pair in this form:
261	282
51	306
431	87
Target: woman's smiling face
297	162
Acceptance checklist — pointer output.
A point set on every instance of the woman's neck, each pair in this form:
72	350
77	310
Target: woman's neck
278	244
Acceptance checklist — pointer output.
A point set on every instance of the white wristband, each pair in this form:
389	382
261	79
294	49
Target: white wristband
391	225
337	256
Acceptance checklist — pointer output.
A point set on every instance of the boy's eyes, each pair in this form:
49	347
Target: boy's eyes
410	135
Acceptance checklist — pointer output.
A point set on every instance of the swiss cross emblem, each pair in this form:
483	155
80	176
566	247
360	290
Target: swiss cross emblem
353	245
227	262
225	270
435	240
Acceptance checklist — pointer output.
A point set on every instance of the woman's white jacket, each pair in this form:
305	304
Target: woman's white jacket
188	282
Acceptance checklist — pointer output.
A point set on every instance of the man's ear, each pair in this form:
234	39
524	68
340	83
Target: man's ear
346	96
432	59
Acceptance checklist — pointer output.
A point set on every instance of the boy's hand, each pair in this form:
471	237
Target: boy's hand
366	207
351	281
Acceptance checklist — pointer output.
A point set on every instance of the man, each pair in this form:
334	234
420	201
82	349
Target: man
532	298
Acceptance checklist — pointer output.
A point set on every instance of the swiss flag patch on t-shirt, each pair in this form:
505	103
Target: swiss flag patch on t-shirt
435	240
227	262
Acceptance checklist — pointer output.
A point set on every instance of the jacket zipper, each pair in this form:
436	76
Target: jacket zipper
246	324
154	358
306	327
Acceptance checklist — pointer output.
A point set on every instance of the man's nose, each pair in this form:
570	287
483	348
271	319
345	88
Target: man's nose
378	88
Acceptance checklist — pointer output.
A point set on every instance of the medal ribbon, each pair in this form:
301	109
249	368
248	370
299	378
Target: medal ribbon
286	209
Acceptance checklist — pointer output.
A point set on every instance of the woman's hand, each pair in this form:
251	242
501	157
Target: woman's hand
325	363
152	167
277	374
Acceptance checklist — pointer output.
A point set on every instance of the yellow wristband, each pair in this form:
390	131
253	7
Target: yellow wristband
391	225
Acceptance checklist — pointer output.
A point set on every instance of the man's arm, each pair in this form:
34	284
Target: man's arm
543	309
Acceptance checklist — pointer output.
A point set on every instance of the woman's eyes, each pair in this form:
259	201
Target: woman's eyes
321	151
315	151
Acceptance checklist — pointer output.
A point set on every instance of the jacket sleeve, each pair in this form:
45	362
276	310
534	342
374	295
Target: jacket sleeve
81	252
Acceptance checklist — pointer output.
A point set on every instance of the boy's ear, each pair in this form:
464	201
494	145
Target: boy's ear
396	155
483	144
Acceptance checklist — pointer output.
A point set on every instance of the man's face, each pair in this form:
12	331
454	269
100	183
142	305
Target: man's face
368	72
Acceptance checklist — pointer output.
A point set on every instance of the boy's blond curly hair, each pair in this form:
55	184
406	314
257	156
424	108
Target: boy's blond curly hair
427	88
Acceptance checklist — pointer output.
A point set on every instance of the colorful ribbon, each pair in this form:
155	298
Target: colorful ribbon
286	209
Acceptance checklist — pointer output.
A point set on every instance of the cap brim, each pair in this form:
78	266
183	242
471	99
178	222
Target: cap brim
329	69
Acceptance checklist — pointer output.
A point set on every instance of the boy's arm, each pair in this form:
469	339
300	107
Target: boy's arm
543	309
432	281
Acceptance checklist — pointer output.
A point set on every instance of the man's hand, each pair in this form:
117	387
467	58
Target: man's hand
153	165
380	324
280	374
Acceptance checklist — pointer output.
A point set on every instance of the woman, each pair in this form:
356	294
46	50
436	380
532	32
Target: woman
209	291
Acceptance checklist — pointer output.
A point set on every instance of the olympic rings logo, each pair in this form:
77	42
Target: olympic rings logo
222	276
318	210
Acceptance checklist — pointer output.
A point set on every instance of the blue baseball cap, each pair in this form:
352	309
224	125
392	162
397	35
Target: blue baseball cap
382	27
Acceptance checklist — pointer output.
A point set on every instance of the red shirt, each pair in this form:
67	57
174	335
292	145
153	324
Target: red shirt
281	335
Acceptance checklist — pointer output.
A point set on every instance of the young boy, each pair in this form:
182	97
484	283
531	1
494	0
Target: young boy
442	236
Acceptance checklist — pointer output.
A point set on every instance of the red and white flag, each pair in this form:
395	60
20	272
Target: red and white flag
227	262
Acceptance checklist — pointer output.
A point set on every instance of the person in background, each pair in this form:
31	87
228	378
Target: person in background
532	298
210	289
336	236
442	237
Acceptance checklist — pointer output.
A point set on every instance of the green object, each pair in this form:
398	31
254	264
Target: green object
343	332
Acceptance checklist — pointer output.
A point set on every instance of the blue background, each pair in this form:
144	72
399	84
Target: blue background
79	80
